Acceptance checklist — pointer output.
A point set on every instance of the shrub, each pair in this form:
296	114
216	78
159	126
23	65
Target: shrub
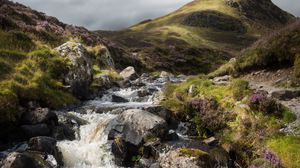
240	89
15	40
261	103
207	115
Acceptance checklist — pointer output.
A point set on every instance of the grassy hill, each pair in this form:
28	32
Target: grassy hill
222	27
275	50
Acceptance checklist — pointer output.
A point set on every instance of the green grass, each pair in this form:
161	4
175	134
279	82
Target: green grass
32	77
279	49
16	41
288	116
287	148
203	87
240	89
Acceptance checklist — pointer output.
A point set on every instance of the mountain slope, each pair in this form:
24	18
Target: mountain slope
275	50
220	26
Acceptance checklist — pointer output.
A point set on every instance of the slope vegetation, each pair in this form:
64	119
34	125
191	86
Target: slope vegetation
223	27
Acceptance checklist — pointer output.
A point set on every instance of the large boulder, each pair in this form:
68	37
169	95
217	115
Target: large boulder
285	94
130	129
43	144
134	125
129	73
39	116
165	74
79	76
46	145
118	99
36	130
18	160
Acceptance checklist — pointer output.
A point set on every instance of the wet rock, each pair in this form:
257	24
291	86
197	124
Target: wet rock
123	152
63	132
106	58
45	145
138	83
130	129
36	130
123	83
285	94
145	75
79	75
118	99
18	160
211	141
151	149
171	136
143	93
164	113
145	163
39	116
222	80
139	124
165	74
129	73
175	158
102	82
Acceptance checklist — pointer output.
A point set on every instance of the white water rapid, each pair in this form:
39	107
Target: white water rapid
91	149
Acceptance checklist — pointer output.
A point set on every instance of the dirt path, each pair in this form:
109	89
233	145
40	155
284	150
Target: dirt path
271	81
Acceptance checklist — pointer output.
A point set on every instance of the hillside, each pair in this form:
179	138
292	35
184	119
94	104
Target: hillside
26	30
32	68
279	49
201	34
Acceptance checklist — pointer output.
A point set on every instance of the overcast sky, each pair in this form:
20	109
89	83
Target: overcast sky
118	14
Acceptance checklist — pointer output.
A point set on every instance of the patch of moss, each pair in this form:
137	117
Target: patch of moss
193	152
287	148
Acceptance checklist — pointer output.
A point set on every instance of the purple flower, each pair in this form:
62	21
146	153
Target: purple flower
271	157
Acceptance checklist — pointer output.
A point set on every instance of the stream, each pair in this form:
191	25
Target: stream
91	149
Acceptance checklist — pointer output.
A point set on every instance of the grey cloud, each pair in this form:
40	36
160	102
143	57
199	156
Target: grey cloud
118	14
292	6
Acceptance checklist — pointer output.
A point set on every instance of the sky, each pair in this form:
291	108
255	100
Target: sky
118	14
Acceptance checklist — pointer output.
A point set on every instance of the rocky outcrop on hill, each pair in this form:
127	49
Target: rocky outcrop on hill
79	76
261	11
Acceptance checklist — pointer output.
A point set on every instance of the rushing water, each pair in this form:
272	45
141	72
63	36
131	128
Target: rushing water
91	149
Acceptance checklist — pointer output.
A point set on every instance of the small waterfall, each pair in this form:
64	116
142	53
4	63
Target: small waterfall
91	149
